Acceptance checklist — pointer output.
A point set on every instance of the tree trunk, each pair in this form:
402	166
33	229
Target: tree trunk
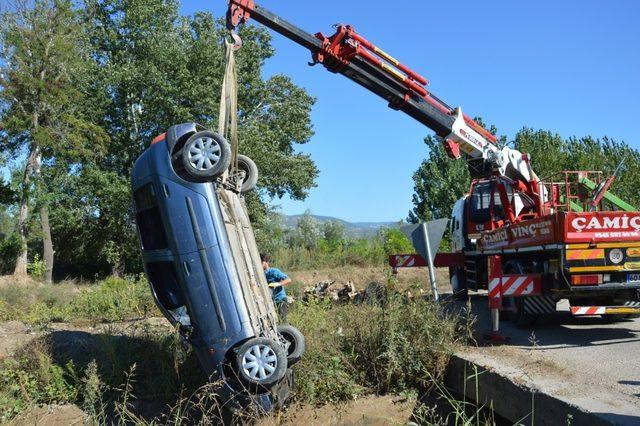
117	269
47	244
32	167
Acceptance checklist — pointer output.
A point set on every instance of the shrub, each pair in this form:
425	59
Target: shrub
115	299
34	378
37	268
395	346
9	249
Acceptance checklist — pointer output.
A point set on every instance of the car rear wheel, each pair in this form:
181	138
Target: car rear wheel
261	361
250	170
205	156
295	343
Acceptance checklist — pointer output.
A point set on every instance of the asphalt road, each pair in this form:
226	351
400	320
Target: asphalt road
583	360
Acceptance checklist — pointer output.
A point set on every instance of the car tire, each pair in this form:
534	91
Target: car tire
295	341
205	156
250	170
261	362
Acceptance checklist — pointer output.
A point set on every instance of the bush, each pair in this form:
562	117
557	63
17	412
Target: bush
114	299
351	349
9	249
34	378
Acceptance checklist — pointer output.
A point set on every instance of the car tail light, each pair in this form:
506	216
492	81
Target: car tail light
586	279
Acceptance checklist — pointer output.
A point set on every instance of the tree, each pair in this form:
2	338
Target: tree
44	71
160	69
334	232
551	154
438	183
306	233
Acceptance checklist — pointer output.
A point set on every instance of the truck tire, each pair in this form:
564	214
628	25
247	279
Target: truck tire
458	283
295	343
205	156
517	313
261	362
250	170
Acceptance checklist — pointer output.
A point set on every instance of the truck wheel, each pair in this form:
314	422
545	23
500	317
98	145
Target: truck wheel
295	343
250	170
458	283
518	315
205	156
261	361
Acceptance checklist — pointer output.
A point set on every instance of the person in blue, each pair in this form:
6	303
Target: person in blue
277	280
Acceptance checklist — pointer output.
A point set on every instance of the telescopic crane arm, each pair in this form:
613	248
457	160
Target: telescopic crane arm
348	53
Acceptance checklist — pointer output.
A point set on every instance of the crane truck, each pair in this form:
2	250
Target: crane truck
529	242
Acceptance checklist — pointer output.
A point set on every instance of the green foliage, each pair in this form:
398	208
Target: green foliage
441	181
334	233
142	362
395	242
35	377
87	86
114	299
551	154
46	74
37	268
352	349
9	249
311	245
438	183
306	234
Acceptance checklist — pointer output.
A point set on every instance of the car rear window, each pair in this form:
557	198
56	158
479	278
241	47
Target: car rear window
149	220
165	284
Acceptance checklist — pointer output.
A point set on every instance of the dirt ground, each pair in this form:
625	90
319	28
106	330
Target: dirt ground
367	411
406	277
370	411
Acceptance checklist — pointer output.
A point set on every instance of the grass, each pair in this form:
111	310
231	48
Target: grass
114	299
396	345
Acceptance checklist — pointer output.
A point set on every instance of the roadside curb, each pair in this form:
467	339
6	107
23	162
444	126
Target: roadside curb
518	402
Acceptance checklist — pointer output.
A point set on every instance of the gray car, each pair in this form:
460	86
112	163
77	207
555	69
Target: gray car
203	265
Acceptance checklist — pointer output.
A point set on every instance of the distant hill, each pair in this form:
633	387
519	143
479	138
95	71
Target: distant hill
354	229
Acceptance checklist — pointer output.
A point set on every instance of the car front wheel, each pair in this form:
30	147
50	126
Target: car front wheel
261	361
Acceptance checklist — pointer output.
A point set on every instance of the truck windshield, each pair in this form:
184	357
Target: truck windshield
481	201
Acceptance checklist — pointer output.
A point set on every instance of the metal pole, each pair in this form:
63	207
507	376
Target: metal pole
432	272
495	320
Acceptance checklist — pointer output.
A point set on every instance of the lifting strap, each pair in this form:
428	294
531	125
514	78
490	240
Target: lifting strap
228	114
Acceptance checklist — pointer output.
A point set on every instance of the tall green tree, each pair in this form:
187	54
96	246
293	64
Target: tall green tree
158	69
551	154
45	69
438	183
